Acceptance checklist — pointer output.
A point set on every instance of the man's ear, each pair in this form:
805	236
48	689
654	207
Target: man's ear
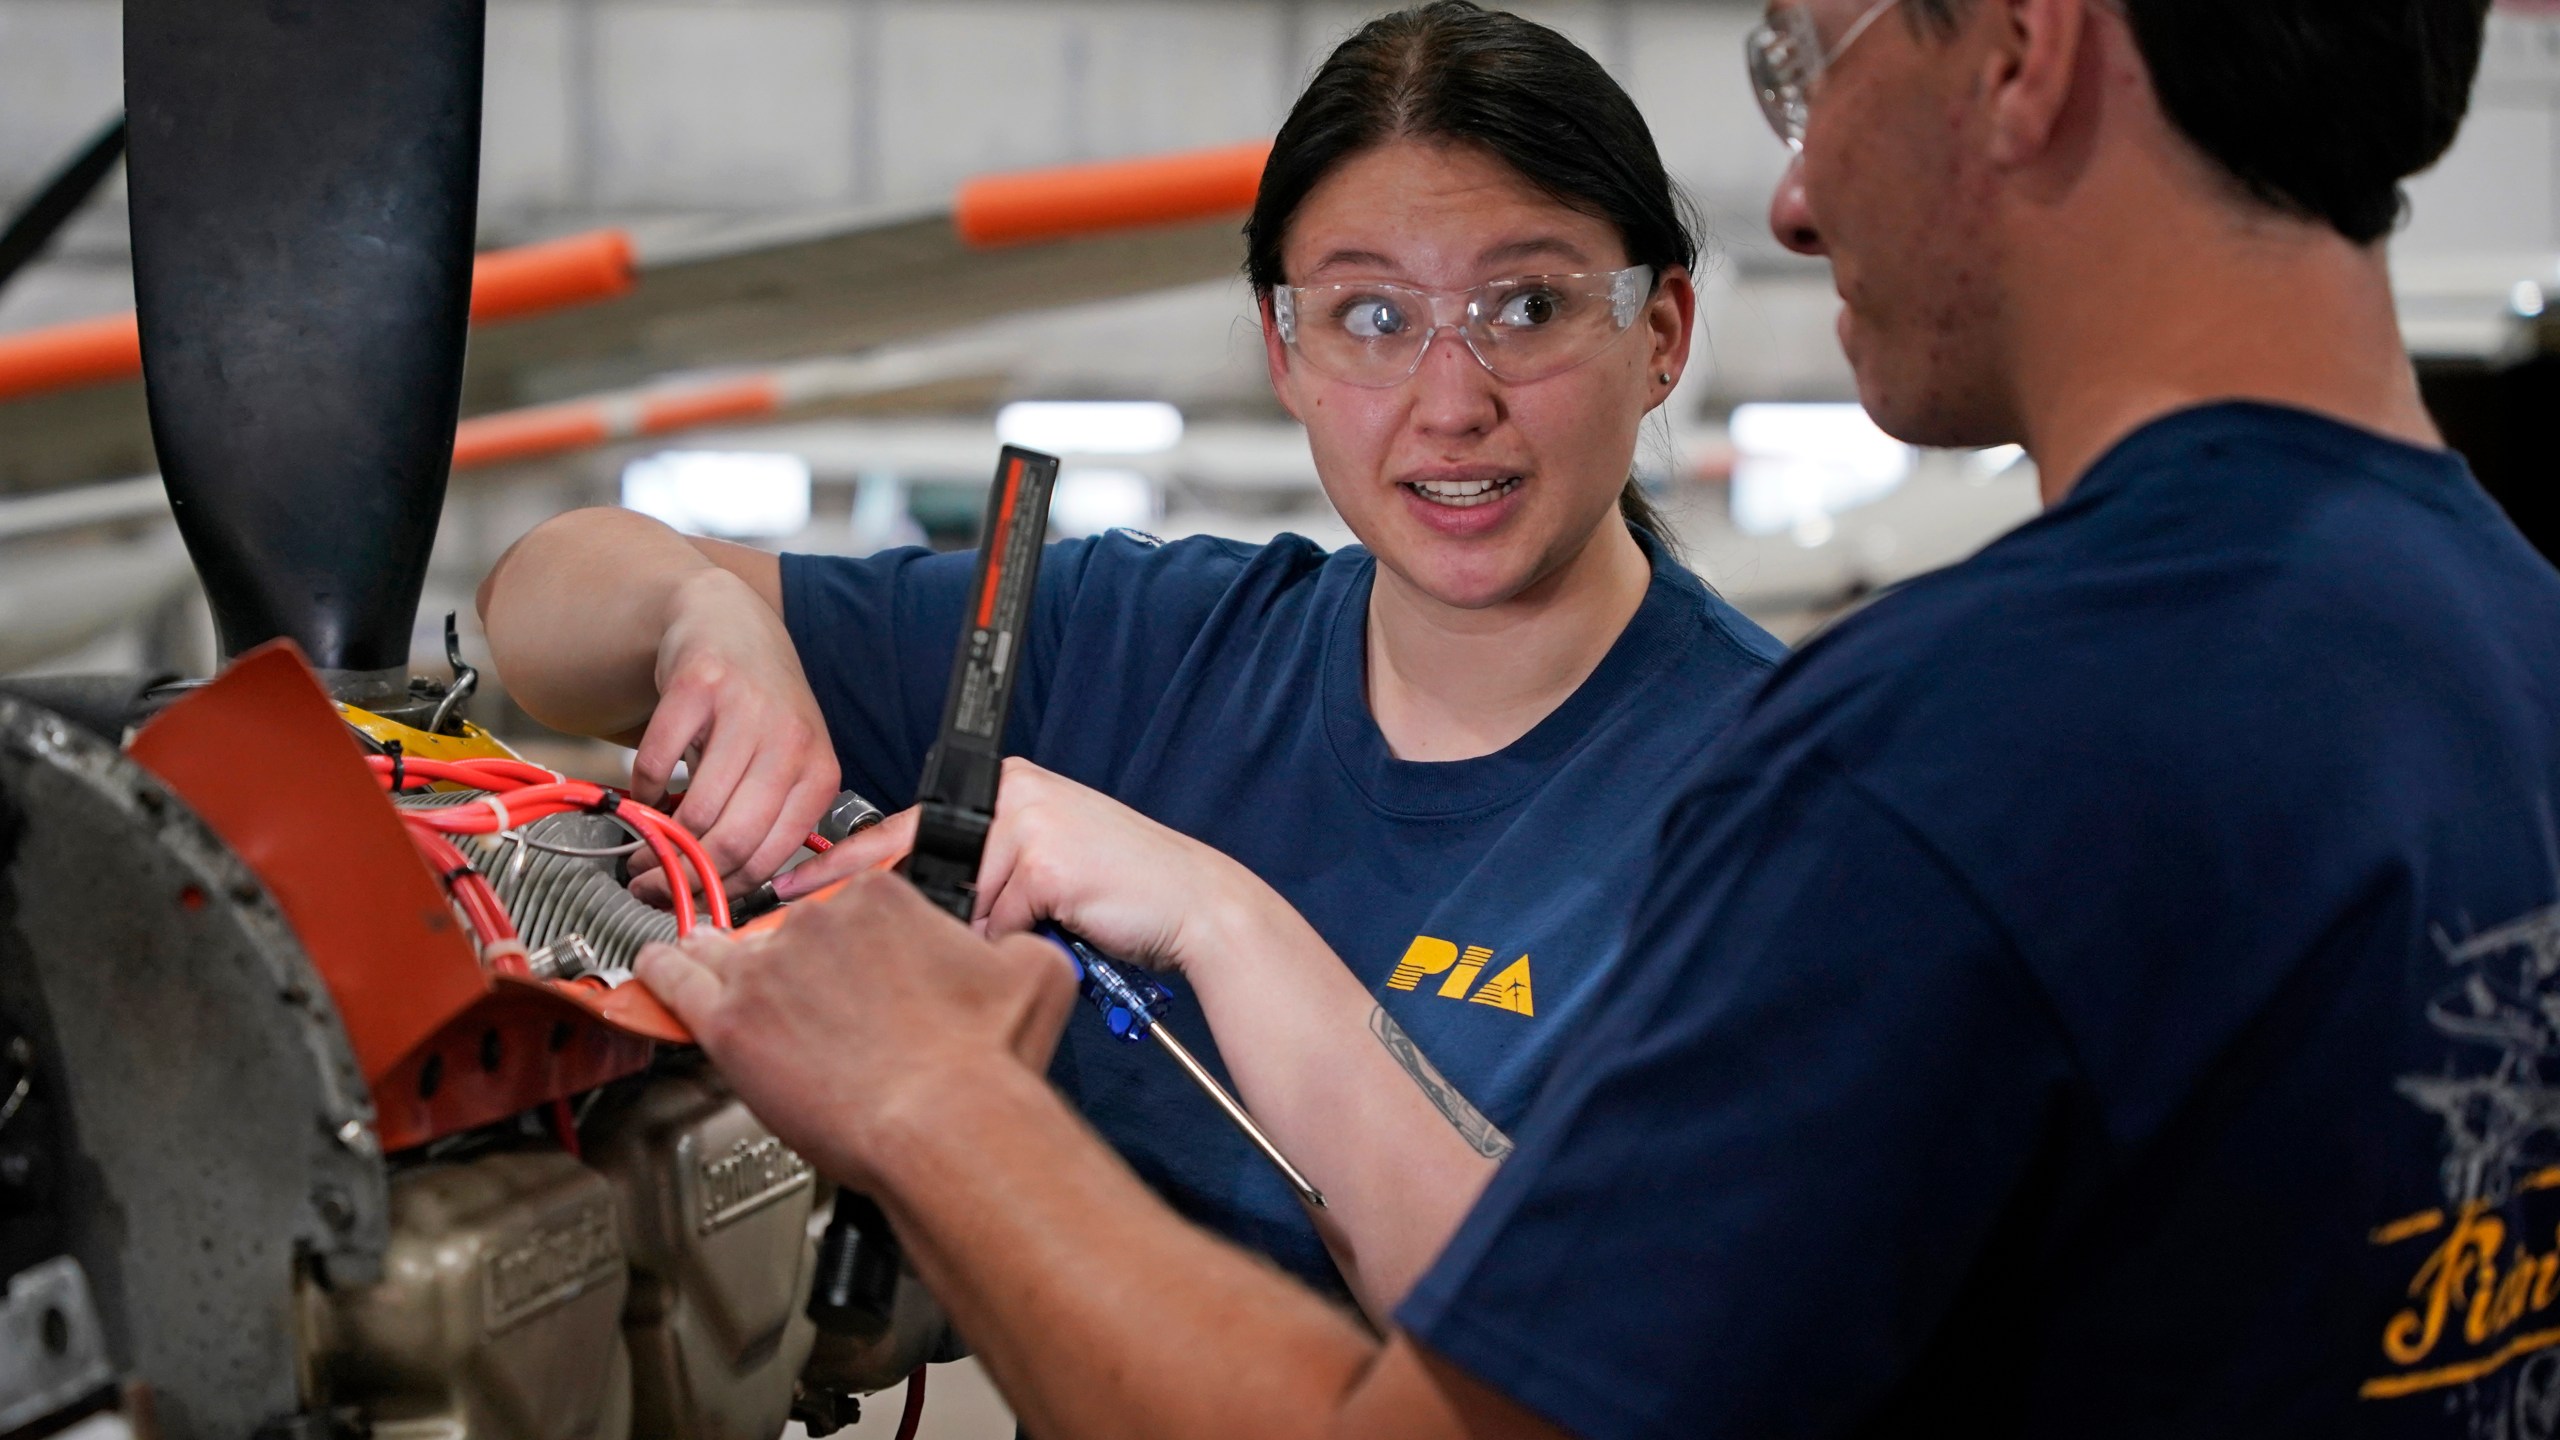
2034	63
1275	354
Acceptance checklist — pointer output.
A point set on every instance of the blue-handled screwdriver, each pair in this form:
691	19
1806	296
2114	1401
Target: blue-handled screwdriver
1132	1004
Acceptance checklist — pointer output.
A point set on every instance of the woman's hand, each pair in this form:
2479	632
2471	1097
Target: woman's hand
1062	852
733	699
1398	1152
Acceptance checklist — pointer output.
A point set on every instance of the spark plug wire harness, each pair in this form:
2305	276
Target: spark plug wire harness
518	793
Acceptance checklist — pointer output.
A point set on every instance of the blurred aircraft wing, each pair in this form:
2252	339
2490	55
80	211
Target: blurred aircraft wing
756	298
710	297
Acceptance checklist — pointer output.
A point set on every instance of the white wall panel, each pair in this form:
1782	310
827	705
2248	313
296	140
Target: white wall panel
1772	339
2494	191
528	146
61	77
2520	56
1165	76
968	86
1687	76
741	105
1324	24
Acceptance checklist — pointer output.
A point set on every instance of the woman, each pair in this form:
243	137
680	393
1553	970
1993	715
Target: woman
1377	805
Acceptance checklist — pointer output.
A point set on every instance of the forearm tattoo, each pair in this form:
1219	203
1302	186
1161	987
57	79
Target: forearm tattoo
1479	1133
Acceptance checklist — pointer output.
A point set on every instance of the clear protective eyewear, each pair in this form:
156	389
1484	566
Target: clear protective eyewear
1787	59
1374	334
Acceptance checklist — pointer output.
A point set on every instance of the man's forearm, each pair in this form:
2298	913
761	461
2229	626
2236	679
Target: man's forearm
1101	1313
893	1048
574	612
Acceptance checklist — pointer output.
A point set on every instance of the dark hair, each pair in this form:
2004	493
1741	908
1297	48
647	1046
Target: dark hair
1455	72
2319	108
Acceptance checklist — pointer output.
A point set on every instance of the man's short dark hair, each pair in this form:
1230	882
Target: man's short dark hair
2317	107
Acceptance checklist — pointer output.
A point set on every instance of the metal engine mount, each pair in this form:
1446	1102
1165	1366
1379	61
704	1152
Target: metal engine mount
211	1146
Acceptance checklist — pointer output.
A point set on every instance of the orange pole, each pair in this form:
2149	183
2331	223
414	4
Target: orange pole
579	424
1071	200
505	284
523	434
551	275
84	352
734	400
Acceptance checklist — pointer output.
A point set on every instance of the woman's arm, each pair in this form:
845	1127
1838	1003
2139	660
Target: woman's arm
1399	1154
605	622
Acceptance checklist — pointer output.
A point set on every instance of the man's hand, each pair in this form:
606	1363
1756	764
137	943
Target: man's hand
733	698
1061	851
851	1016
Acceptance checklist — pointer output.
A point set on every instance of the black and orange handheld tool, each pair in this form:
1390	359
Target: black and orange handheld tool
956	799
858	1262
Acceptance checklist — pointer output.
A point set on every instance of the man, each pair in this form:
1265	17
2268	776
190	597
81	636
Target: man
2103	989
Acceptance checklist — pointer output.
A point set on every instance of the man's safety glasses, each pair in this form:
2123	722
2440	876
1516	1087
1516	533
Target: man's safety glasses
1374	335
1787	58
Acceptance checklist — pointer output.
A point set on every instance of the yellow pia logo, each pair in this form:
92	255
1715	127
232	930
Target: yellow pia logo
1507	990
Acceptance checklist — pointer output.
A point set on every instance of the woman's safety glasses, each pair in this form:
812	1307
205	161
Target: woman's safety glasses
1787	58
1374	335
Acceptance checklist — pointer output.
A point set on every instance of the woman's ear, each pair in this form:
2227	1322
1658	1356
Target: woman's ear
1275	355
1670	320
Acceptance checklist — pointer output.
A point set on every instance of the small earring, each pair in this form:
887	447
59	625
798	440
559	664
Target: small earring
1664	377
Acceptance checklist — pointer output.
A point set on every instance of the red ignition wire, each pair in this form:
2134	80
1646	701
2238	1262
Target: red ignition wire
471	890
664	837
523	772
532	793
481	774
913	1419
529	784
564	1127
714	898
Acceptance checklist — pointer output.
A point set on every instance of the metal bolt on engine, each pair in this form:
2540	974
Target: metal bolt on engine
566	958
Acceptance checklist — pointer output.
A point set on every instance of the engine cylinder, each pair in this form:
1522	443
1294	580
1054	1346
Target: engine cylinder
498	1316
715	1216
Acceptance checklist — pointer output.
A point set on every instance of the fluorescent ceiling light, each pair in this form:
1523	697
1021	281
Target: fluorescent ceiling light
1089	502
1091	427
734	495
1796	466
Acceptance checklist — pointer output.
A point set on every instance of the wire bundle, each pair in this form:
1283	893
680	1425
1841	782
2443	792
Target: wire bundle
556	878
518	794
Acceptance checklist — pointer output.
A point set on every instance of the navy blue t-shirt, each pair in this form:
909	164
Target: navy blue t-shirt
2102	989
1222	690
